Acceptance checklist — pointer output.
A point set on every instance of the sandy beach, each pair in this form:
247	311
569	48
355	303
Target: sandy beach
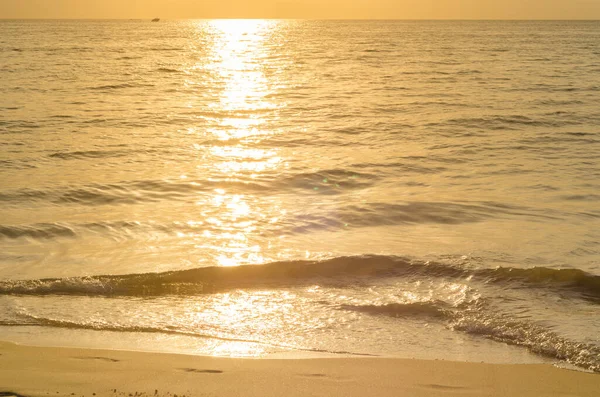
42	371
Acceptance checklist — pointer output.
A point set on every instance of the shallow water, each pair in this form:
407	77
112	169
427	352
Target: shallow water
405	188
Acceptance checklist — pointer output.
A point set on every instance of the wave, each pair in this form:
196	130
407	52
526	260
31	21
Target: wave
576	279
127	57
535	338
416	167
31	320
43	231
144	190
501	122
378	214
88	154
18	126
581	134
165	49
475	318
582	197
567	138
330	178
480	320
360	215
38	231
339	271
117	86
327	182
17	164
168	70
102	194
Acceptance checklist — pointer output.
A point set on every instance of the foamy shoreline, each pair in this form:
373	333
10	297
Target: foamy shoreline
41	371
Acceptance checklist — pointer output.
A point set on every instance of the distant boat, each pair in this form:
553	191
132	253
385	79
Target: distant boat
156	20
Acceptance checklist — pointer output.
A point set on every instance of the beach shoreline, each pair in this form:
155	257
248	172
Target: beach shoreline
297	207
41	371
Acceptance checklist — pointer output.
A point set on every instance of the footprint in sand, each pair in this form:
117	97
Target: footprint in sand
112	360
314	375
443	387
202	371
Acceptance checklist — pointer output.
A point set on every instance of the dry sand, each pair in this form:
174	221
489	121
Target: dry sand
42	371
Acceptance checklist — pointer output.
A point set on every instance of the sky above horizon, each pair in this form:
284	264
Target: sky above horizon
360	9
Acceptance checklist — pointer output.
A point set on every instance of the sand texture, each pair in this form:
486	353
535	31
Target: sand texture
42	371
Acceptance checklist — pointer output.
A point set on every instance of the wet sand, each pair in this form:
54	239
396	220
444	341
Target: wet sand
43	371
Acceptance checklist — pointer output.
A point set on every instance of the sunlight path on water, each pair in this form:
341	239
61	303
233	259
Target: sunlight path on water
237	54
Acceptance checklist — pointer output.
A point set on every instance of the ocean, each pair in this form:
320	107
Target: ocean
273	188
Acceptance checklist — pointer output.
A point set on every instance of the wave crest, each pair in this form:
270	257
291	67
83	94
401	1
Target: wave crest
340	271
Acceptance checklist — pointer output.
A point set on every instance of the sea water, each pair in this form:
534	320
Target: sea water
244	188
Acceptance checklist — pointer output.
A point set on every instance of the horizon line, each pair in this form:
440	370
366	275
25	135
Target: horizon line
302	19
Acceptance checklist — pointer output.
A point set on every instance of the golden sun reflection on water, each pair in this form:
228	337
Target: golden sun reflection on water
238	120
258	314
238	55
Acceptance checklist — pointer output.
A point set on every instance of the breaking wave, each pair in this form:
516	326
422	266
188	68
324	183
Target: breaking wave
480	320
341	271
